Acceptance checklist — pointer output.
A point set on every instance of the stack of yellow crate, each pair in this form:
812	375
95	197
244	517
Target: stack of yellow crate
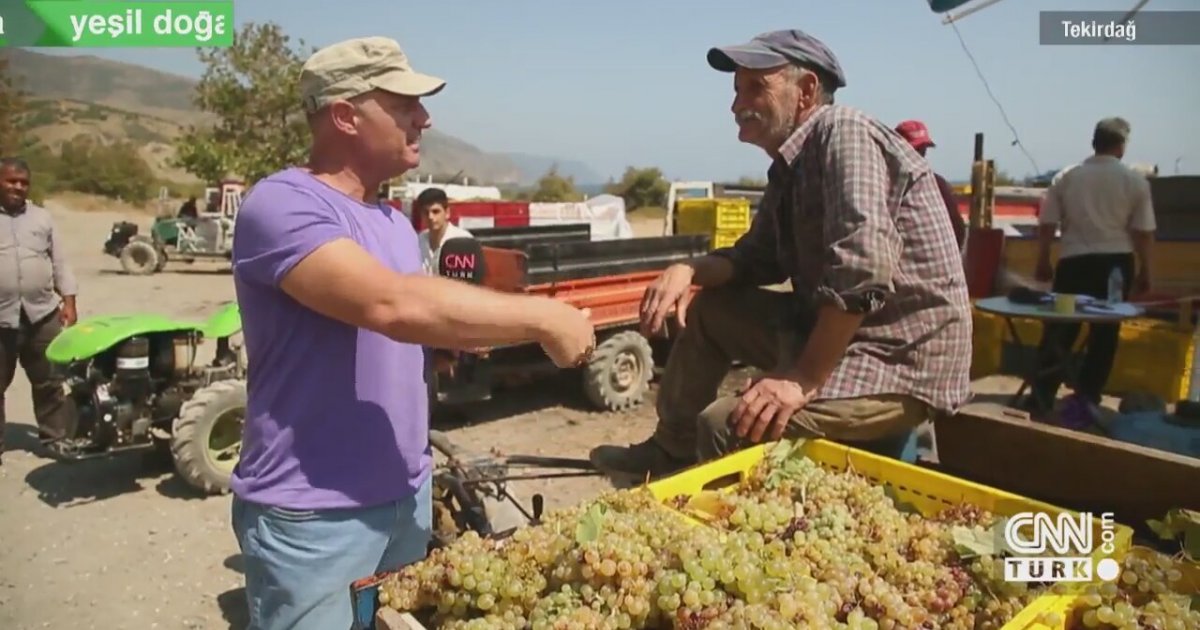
723	219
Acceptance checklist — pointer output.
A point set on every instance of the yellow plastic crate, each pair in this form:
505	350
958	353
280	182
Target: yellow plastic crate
1153	356
928	491
704	216
726	238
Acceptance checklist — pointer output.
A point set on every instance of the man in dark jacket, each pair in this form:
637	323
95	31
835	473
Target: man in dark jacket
917	135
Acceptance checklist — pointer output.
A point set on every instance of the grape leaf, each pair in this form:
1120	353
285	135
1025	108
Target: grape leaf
1180	523
779	452
783	458
591	523
970	542
706	504
1001	541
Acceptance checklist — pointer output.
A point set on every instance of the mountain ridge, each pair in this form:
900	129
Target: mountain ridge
74	95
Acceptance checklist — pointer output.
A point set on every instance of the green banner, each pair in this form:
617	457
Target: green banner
130	24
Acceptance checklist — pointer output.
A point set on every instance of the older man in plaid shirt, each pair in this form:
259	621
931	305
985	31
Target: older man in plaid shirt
875	337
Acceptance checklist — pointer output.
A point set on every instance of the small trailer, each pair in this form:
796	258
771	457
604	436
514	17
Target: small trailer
559	261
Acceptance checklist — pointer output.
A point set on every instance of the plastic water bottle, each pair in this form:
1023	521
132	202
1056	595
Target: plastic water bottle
1116	286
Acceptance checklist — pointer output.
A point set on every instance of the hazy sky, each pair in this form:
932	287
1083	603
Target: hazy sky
623	82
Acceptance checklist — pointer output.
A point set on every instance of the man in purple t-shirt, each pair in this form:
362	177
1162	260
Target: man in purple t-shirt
334	478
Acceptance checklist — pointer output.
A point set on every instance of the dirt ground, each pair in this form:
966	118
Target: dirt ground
117	543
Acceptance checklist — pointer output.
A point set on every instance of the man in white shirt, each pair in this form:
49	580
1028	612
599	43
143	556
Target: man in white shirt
434	207
1106	215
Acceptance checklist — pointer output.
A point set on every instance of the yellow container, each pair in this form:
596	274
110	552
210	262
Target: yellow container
705	216
927	491
726	238
1153	356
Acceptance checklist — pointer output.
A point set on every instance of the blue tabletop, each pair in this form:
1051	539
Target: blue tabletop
1086	310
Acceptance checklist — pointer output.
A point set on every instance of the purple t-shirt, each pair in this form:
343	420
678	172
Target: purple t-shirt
337	416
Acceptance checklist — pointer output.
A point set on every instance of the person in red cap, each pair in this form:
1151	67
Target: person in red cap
917	135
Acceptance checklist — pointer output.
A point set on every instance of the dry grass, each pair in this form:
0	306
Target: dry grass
82	202
647	221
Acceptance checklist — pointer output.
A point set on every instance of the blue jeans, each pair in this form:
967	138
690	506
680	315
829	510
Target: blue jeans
300	563
902	446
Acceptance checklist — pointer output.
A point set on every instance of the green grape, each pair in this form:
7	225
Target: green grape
806	547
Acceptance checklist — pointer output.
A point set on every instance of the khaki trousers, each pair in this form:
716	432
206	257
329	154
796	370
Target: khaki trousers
764	329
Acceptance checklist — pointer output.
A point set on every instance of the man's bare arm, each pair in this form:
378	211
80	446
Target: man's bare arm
826	346
1046	233
342	281
1142	226
1050	215
1143	248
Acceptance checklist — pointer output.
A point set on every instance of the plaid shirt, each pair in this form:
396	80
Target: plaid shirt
853	216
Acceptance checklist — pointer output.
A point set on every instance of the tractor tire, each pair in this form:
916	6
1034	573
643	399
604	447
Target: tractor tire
191	439
139	258
161	262
618	375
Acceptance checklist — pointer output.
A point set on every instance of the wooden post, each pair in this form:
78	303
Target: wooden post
975	220
988	209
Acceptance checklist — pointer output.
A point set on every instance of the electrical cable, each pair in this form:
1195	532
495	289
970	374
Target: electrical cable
987	86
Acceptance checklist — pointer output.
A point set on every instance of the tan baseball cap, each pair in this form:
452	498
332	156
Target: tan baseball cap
356	66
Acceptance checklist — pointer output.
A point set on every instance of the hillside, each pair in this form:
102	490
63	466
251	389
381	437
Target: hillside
534	166
73	95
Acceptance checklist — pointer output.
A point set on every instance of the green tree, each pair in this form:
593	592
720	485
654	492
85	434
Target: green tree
514	192
15	140
115	170
553	187
641	188
12	112
252	88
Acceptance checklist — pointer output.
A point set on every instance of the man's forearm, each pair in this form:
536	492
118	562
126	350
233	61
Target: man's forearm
1143	248
826	346
444	313
1046	234
712	271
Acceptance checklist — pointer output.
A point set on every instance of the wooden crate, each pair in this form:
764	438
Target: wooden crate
390	619
1002	447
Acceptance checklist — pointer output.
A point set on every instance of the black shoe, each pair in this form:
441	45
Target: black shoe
642	459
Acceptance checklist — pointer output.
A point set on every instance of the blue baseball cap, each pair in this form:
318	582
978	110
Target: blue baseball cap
777	48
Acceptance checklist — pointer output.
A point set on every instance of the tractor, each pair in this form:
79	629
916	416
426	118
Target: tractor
208	235
135	383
